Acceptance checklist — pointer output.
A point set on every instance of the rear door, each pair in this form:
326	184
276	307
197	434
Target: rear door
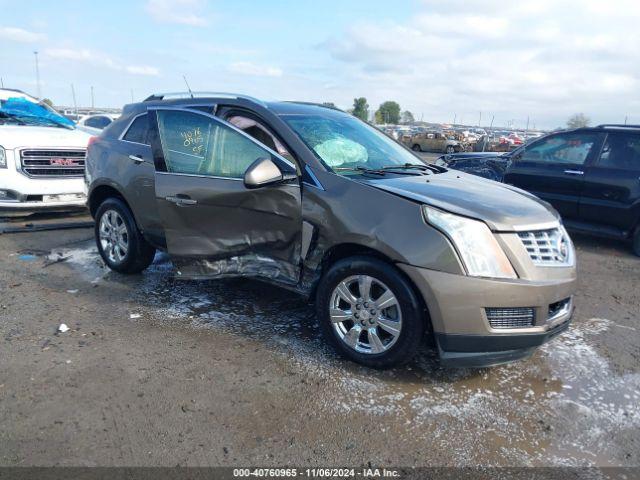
611	194
553	168
214	225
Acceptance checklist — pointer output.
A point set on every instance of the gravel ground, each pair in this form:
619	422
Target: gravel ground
159	372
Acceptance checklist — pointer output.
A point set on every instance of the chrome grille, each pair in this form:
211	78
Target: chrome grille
547	247
513	317
53	163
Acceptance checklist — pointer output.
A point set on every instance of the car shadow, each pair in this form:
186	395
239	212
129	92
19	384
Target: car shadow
602	245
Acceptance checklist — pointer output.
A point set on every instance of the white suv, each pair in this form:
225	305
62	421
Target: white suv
42	157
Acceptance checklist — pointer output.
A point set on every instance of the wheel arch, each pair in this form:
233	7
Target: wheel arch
100	193
345	250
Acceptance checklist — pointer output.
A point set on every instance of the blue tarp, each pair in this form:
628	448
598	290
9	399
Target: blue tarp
27	109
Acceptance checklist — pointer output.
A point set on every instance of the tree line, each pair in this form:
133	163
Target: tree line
387	112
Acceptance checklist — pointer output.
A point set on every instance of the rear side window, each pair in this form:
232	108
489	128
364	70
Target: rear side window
199	145
138	130
622	151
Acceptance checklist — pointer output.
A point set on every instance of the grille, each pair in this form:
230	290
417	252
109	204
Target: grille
53	163
516	317
547	247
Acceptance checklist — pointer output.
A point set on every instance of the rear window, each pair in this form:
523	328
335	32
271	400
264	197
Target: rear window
138	131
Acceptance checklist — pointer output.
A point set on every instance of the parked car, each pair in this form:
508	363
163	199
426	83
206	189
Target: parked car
319	202
41	157
590	175
96	122
434	142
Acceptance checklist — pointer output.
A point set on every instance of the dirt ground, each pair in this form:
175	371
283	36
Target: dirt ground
154	371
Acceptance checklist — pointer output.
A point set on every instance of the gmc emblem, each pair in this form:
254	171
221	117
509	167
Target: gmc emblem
63	161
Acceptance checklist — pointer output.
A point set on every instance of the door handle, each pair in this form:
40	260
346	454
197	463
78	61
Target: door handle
181	201
574	172
138	160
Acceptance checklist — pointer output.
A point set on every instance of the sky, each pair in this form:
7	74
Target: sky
472	61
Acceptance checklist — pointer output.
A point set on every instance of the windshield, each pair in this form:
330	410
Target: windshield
345	144
21	111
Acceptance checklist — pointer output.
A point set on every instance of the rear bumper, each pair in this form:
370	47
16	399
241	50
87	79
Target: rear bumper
465	336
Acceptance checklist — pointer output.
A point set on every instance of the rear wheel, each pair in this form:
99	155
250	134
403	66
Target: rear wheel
636	242
416	148
369	312
120	243
451	149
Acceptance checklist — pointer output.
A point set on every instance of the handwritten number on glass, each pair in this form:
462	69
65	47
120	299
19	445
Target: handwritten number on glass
193	139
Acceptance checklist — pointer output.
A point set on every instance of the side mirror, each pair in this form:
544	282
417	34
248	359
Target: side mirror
261	173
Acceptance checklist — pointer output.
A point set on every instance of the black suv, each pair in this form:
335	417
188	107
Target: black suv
590	175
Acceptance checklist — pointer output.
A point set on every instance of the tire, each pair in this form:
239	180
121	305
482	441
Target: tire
349	336
636	242
416	148
450	149
116	226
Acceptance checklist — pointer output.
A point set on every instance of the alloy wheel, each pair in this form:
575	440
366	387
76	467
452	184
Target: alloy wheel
365	314
114	236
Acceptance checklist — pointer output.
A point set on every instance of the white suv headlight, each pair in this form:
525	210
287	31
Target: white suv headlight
479	251
3	158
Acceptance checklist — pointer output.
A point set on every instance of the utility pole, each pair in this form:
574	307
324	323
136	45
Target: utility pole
526	130
455	115
480	120
35	54
625	119
1	83
132	101
75	104
92	100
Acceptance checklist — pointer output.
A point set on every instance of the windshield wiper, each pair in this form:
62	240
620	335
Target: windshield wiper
360	169
415	166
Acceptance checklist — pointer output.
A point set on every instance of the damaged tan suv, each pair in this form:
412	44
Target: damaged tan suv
392	250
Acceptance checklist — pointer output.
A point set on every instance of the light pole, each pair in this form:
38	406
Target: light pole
35	54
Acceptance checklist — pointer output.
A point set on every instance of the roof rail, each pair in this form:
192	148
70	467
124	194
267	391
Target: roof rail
618	125
176	95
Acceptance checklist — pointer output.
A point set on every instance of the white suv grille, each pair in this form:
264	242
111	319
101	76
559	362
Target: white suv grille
548	247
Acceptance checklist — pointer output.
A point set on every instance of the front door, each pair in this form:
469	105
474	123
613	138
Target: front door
215	226
553	169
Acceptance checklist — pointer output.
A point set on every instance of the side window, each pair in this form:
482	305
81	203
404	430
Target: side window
98	122
621	150
571	149
199	145
261	133
137	132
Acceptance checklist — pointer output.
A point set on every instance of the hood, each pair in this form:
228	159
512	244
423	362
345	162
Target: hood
18	136
502	207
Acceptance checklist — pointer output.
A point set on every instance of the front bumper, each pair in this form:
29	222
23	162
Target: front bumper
463	334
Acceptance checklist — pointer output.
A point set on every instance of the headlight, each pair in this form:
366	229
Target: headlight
480	252
3	158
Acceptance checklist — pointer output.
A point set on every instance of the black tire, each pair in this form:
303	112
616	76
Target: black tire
416	147
413	327
636	242
450	149
139	254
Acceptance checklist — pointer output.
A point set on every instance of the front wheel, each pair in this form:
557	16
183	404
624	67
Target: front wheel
450	149
369	312
120	243
416	148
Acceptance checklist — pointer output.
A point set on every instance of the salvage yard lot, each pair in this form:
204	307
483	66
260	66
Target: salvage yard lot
154	371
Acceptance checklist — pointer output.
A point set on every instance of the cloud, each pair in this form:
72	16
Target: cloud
98	59
182	12
546	59
16	34
248	68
